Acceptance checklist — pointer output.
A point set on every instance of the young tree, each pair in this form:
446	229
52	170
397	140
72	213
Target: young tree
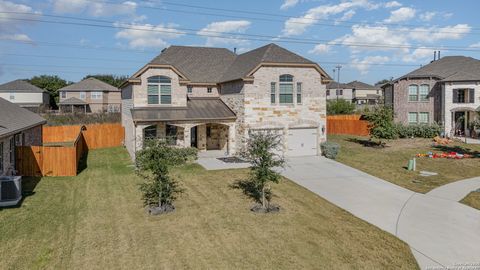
261	152
111	79
50	83
340	106
153	162
381	123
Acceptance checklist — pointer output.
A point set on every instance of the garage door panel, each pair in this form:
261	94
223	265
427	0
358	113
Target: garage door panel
302	142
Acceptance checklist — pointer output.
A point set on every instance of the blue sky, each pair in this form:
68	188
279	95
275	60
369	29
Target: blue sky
372	40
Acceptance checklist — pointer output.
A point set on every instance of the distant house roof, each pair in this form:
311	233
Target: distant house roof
216	65
335	85
467	68
362	85
20	86
197	109
89	84
14	119
72	101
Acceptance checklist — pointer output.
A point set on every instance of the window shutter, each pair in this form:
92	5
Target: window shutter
472	95
455	95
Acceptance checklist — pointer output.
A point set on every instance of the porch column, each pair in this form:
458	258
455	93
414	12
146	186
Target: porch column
231	139
186	135
202	137
139	137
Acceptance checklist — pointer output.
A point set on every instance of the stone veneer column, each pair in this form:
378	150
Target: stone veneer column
186	135
231	139
202	137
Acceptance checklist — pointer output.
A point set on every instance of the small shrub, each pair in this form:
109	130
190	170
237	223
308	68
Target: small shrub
329	149
340	106
418	131
381	123
81	118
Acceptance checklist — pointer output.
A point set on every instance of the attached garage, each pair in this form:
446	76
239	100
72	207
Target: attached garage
302	142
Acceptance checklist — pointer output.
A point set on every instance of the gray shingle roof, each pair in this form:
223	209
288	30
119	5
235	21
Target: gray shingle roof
20	86
270	53
199	64
335	85
73	101
14	119
89	84
448	66
362	85
197	109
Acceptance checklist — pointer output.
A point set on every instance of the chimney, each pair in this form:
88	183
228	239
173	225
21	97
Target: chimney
434	55
235	50
438	55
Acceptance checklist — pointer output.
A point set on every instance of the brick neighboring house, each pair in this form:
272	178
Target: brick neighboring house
89	96
25	95
446	91
364	93
339	91
18	127
211	98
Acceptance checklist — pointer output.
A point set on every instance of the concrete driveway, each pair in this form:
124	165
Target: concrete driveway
440	231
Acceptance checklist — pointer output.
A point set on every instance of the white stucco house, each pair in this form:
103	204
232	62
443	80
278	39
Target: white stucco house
25	95
212	98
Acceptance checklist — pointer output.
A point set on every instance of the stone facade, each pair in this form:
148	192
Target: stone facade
179	92
202	91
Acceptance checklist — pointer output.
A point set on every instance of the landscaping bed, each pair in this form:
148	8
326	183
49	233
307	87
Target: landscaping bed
472	199
96	221
390	162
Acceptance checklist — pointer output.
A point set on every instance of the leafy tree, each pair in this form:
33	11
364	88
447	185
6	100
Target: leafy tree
111	79
384	81
340	106
153	163
381	123
51	83
261	152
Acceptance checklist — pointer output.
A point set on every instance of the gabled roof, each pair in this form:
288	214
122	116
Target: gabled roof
446	67
335	85
197	109
462	76
20	86
89	84
14	119
72	101
362	85
199	64
271	53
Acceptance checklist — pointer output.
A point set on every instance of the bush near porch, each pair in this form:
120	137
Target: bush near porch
389	163
96	221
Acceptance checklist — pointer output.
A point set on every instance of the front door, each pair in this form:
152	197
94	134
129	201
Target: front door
193	137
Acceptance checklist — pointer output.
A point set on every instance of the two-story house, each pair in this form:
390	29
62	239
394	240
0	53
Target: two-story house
364	93
446	91
25	95
212	99
89	96
339	91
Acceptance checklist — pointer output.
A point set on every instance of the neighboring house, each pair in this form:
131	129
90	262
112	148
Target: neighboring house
89	96
339	91
365	94
446	91
18	127
211	99
25	95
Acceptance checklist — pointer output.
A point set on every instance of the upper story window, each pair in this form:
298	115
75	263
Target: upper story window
299	93
463	95
209	90
423	91
328	92
83	95
339	92
12	96
63	94
189	89
413	92
286	89
96	95
273	90
159	90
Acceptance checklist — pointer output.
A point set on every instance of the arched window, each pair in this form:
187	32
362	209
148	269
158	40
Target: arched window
286	89
413	92
150	132
159	90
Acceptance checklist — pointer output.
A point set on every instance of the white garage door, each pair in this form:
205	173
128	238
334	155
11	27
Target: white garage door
302	142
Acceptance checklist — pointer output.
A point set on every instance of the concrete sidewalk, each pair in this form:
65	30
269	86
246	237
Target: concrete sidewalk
441	232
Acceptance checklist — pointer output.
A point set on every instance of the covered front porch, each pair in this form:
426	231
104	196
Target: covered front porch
464	122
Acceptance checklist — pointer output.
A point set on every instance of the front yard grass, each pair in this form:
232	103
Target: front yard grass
390	163
96	221
472	199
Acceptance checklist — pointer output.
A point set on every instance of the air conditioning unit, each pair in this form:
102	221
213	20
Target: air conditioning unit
10	190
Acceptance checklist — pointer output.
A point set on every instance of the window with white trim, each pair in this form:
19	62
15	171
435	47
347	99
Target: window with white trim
412	117
423	117
96	95
83	95
286	89
423	92
159	90
209	90
189	89
273	88
413	92
63	94
299	93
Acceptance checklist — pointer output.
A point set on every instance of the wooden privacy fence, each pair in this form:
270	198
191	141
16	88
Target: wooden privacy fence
64	147
347	124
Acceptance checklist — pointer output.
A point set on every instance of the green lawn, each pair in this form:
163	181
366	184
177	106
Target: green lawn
96	221
472	200
389	163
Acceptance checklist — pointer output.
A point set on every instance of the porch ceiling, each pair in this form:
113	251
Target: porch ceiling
197	109
461	109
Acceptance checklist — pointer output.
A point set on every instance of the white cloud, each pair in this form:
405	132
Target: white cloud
142	36
392	4
16	37
475	45
9	27
400	15
288	4
418	54
320	49
98	8
346	16
298	25
364	64
223	33
433	34
427	16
